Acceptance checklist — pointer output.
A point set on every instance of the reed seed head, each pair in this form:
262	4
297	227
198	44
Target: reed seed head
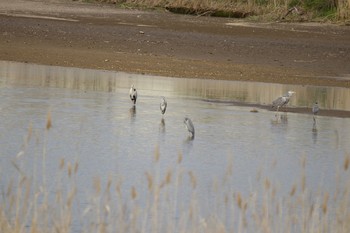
193	179
346	162
133	193
48	120
149	181
239	200
168	177
325	203
69	168
292	192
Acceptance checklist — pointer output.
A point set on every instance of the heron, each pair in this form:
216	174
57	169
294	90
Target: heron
315	108
133	94
189	126
282	100
163	105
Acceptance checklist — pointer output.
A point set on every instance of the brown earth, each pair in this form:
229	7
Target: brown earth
66	33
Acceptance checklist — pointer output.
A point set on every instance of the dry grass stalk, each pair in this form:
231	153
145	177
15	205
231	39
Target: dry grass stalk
346	162
76	167
48	120
69	169
97	185
193	179
325	203
303	182
133	192
292	192
149	181
179	158
156	154
239	201
61	164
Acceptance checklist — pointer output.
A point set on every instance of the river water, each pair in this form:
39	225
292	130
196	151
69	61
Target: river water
95	125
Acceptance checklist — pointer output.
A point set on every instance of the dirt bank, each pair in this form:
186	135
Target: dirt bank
67	33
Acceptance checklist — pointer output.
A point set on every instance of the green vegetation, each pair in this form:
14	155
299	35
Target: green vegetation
263	9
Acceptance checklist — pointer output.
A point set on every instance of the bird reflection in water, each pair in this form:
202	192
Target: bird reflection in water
280	119
315	109
132	111
162	126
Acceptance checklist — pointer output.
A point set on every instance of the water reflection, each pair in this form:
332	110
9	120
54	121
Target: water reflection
13	73
280	118
132	112
162	125
314	133
102	132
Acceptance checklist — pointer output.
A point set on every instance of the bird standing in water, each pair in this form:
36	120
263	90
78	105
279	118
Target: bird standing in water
133	94
282	100
189	126
163	105
315	108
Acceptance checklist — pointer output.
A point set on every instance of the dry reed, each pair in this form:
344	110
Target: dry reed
264	9
26	206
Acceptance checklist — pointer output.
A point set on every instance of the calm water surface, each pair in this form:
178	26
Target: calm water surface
95	124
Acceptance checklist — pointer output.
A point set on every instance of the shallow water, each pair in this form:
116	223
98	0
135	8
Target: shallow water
95	124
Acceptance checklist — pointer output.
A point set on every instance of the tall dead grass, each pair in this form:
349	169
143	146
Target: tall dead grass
158	205
273	9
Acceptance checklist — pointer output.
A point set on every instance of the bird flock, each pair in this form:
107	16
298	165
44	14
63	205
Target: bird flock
163	106
276	104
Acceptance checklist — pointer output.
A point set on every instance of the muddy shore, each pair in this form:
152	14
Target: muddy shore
69	33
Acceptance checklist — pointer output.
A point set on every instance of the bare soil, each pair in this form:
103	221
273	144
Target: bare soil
69	33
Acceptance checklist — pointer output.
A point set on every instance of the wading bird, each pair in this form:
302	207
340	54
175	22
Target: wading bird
133	94
315	108
163	105
189	126
282	100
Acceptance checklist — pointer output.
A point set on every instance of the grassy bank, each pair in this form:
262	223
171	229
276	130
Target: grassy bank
296	10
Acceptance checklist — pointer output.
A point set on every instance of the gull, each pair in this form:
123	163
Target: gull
133	94
163	105
282	100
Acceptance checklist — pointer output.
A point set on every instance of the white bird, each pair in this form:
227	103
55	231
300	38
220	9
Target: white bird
189	126
133	94
163	105
282	100
315	108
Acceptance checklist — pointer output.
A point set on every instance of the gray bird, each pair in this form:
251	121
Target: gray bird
133	94
282	100
163	105
315	108
189	126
